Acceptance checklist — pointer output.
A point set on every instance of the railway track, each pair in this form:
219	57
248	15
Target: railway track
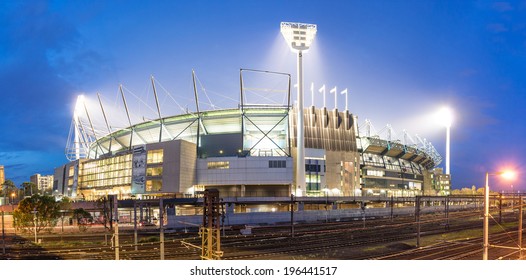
333	240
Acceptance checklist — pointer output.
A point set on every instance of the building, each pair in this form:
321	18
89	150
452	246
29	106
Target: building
243	152
44	183
440	182
2	174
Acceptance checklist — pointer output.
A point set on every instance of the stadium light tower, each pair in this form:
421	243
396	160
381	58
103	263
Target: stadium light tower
509	175
76	119
299	37
446	117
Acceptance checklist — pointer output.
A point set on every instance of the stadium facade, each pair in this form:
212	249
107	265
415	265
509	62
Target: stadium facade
246	151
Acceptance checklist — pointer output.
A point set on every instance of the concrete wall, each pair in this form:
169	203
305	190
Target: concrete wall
244	171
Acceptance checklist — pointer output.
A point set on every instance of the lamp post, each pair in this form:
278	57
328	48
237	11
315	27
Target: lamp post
508	175
299	37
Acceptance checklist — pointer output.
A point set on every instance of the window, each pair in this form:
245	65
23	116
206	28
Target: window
218	165
106	172
154	185
154	171
155	156
312	168
277	164
378	173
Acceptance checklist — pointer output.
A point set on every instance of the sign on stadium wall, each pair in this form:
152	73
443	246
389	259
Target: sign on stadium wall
138	170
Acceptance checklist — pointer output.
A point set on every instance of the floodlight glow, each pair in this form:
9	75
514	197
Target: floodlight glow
299	36
508	175
446	117
79	105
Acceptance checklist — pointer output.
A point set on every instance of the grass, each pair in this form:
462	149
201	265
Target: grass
149	239
465	234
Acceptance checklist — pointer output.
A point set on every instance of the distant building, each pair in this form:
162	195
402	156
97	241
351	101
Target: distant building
440	182
2	174
44	183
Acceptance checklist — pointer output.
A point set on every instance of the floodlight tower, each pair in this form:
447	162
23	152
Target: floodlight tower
76	120
299	37
447	118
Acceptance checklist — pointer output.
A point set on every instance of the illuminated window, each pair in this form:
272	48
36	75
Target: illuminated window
154	171
154	185
155	156
109	172
71	171
218	165
378	173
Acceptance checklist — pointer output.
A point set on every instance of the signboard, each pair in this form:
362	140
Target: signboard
138	170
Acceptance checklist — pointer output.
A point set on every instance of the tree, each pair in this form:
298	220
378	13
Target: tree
47	213
8	188
83	217
105	212
29	188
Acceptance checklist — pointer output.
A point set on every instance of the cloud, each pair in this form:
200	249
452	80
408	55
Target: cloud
41	62
502	6
44	60
16	166
496	28
8	156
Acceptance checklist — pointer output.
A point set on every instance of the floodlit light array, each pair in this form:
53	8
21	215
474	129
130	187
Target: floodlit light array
446	117
299	36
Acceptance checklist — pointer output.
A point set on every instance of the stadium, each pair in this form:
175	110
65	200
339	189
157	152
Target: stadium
266	146
244	151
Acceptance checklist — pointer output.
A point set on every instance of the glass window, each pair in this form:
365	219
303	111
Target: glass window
218	165
155	156
107	172
154	185
154	171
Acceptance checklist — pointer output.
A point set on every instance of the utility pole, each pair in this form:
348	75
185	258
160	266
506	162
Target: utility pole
292	215
520	227
3	234
417	220
116	226
447	212
161	227
362	206
500	208
35	222
392	205
135	224
210	231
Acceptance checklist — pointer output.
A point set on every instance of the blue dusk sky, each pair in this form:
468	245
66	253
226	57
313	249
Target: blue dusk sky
400	60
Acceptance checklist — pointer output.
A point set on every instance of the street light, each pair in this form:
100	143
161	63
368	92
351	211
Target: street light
299	37
507	175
